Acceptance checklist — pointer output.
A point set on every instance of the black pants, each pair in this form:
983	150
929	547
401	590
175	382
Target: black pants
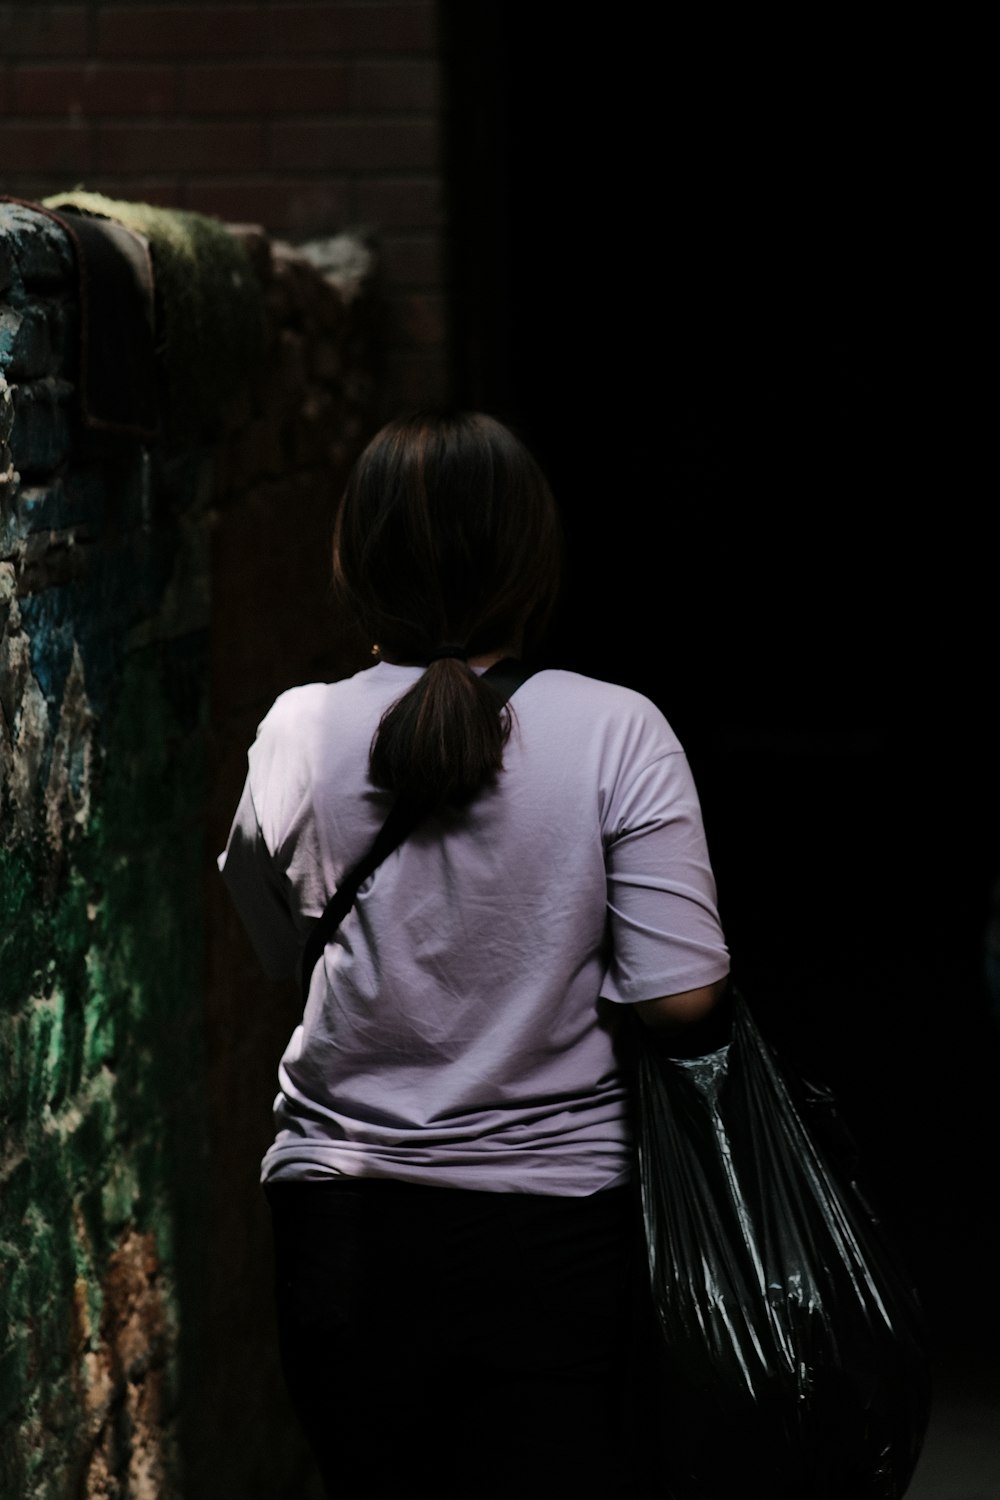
448	1343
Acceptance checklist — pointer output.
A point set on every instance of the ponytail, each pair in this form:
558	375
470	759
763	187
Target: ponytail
443	741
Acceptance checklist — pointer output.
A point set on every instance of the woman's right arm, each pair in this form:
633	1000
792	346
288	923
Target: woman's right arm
690	1023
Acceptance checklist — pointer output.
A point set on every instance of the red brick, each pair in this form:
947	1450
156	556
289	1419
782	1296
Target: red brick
396	86
183	30
376	28
165	190
180	148
93	89
255	452
31	30
48	148
292	207
400	202
326	361
418	321
355	145
32	187
415	379
266	88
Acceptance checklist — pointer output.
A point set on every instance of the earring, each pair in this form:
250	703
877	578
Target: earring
376	649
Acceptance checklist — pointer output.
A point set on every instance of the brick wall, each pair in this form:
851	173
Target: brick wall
153	599
305	118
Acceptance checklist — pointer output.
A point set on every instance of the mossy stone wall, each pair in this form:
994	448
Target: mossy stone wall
121	1187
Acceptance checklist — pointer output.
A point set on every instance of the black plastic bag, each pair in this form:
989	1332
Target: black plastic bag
794	1345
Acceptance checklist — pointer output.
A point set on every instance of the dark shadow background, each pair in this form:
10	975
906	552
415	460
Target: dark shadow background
728	288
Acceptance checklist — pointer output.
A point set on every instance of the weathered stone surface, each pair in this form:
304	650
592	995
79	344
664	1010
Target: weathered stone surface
26	343
6	409
40	248
347	262
109	555
6	259
84	975
40	435
10	328
42	507
257	244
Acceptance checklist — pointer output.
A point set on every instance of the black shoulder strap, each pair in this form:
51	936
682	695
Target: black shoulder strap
504	677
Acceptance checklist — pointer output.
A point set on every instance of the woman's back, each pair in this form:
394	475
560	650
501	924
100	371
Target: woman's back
452	1034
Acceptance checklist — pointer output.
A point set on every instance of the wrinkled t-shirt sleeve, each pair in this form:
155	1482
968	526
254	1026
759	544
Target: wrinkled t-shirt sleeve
273	834
259	892
664	925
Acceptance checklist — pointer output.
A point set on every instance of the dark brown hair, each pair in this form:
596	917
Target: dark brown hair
447	535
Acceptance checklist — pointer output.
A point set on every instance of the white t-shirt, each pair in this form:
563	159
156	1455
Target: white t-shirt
461	1028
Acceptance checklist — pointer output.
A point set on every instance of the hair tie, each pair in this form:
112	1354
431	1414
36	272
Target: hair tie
443	653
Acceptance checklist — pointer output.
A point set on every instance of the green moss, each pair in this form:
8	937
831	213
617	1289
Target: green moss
17	1188
210	310
13	1380
16	886
100	1066
120	1195
22	929
100	1042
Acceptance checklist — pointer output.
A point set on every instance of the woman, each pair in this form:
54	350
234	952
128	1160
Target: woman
454	1224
